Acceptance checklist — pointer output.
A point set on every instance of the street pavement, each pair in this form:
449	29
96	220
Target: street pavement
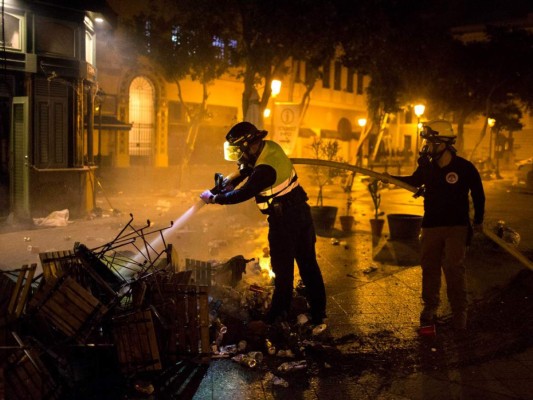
372	348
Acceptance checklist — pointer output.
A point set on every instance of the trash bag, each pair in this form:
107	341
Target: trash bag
55	218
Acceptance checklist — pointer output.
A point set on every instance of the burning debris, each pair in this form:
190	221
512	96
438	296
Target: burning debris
128	315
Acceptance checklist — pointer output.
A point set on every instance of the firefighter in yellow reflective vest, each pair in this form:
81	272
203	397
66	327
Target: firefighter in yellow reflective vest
273	181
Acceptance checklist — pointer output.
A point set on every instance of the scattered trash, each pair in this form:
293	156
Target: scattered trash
506	233
271	349
370	269
286	354
335	242
245	360
319	329
275	380
302	319
292	366
144	388
429	331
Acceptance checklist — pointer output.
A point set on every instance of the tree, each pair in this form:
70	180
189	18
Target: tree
482	75
270	33
382	40
176	38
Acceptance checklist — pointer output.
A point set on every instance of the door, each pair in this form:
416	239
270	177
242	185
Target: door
19	160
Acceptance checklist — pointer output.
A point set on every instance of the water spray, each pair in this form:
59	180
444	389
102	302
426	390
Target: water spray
157	246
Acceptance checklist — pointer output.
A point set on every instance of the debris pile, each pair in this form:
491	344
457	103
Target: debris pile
82	329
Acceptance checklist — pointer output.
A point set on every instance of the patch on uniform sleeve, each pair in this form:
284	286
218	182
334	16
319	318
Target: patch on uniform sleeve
452	177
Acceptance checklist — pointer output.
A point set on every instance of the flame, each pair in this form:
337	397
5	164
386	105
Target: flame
264	263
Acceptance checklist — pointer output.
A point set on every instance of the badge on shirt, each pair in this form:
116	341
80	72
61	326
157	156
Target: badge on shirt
452	177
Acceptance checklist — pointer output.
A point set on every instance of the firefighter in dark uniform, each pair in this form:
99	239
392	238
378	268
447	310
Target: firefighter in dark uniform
272	180
447	180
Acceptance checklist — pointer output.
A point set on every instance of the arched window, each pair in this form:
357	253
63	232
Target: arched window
142	118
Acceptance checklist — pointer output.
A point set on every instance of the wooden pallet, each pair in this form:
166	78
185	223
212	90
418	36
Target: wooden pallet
56	263
135	338
69	307
185	310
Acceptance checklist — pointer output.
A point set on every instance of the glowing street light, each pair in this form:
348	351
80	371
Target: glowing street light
361	122
419	111
490	122
275	86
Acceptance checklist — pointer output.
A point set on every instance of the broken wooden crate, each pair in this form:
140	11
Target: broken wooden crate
26	377
136	339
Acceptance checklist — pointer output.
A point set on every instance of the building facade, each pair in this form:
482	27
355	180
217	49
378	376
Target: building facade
47	84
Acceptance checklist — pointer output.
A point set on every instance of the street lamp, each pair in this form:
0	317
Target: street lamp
419	111
275	86
490	123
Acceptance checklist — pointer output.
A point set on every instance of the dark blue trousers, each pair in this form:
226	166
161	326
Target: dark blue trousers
292	238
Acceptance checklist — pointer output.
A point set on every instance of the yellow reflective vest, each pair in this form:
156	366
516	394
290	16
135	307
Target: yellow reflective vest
286	179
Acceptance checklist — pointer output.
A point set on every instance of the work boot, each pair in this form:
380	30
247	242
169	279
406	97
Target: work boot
428	315
459	321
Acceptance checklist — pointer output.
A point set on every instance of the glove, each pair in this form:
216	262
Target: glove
208	197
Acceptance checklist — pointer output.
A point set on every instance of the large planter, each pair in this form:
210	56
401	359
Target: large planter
324	217
404	226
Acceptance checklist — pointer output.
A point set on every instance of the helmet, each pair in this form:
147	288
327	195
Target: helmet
239	138
438	131
435	133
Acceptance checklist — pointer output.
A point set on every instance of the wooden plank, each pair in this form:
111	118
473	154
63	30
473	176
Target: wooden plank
25	291
137	342
203	303
152	341
79	294
173	258
181	321
17	290
143	347
61	306
56	319
193	323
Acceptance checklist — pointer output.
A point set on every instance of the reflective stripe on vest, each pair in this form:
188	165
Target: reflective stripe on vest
286	179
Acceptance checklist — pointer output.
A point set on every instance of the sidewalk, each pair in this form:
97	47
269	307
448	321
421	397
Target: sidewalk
374	350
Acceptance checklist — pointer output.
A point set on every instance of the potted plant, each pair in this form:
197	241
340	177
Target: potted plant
376	223
347	220
324	216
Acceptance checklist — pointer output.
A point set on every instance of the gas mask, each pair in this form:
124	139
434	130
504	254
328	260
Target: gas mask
434	146
431	152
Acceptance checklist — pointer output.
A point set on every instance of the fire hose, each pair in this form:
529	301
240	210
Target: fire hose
221	182
417	192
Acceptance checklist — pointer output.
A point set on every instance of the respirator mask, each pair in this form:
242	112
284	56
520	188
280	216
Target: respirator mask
435	143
